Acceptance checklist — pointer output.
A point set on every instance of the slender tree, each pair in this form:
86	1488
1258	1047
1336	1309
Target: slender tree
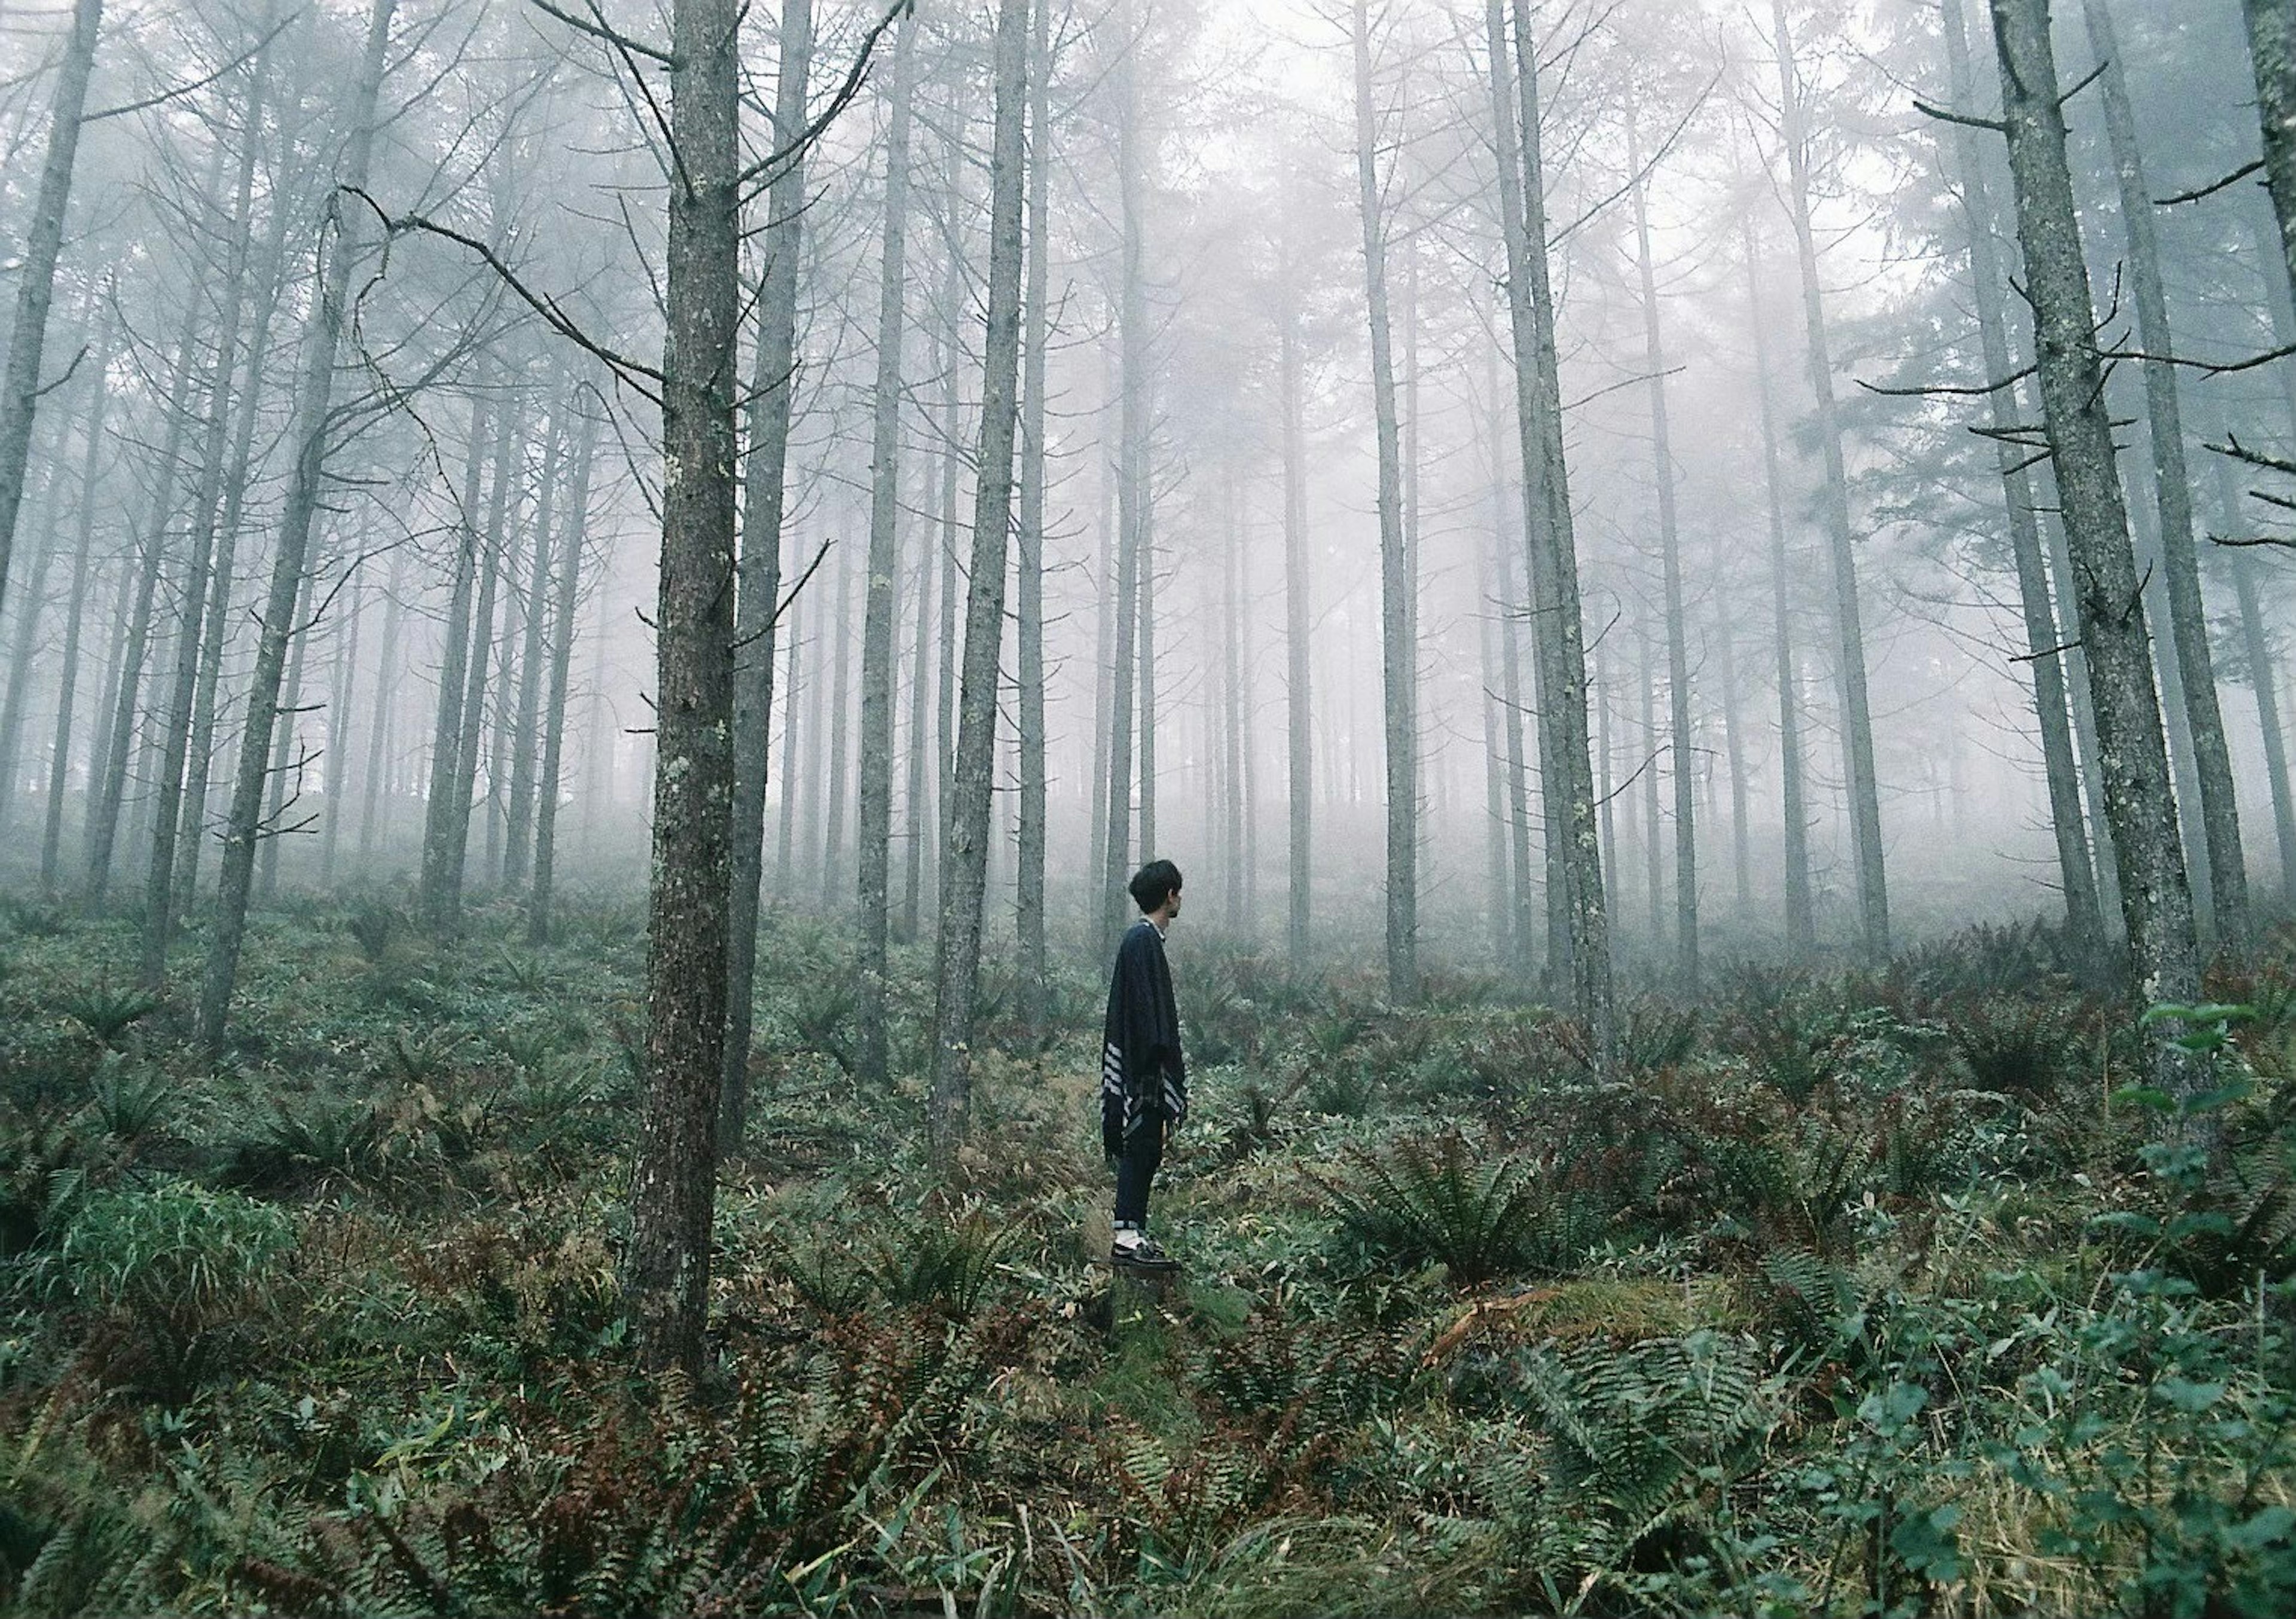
957	969
1397	654
1849	615
1681	749
2156	905
875	818
2218	809
342	243
1028	875
2083	914
673	1181
757	620
22	384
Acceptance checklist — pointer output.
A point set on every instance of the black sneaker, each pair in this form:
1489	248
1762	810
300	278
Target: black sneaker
1141	1255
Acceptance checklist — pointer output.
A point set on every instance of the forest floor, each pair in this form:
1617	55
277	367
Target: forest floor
1863	1294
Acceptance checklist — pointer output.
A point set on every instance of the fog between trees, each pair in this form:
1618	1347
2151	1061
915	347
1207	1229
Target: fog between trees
1554	490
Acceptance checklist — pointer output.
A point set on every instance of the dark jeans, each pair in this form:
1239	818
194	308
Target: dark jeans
1144	1150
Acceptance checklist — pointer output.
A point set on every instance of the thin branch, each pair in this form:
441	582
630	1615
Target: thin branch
552	314
2086	80
597	28
2212	187
853	78
1946	115
71	371
196	86
2011	380
2207	368
2240	452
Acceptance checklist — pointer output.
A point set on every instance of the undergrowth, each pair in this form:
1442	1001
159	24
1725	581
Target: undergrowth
1887	1294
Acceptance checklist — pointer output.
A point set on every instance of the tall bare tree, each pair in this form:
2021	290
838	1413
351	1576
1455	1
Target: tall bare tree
957	967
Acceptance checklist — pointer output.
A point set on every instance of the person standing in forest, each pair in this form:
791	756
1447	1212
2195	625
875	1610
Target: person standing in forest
1144	1080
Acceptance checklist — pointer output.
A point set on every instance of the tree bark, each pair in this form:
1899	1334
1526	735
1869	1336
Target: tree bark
82	561
757	628
569	588
1681	747
438	887
1567	776
21	385
2264	679
2156	905
518	828
1734	743
1800	912
314	399
2084	917
673	1184
1300	724
1399	656
374	779
1132	483
958	966
1856	719
2272	53
875	818
2218	809
1029	874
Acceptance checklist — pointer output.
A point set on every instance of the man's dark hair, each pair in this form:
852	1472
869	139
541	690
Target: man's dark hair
1154	884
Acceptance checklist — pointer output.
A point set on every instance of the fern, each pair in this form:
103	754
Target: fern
1426	1201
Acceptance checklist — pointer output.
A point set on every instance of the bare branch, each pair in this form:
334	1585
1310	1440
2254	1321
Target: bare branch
197	84
2212	187
1941	388
1946	115
855	77
552	314
596	27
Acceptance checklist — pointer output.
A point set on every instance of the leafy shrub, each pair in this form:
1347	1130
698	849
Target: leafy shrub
1426	1201
105	1012
184	1267
321	1141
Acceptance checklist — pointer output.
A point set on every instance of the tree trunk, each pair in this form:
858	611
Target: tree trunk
835	785
1133	517
2218	809
1856	720
373	782
958	966
439	887
237	481
284	758
179	813
2156	906
1029	874
36	272
119	736
338	729
673	1184
494	555
1733	744
773	388
1801	913
1398	658
1567	778
786	837
2264	680
1681	750
1653	864
875	818
568	590
2084	917
1297	608
305	486
922	829
31	602
2272	52
519	812
83	547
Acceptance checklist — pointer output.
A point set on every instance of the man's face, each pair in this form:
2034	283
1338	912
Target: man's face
1172	905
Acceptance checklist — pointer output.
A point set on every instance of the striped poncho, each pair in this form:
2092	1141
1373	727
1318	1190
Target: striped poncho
1142	1073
